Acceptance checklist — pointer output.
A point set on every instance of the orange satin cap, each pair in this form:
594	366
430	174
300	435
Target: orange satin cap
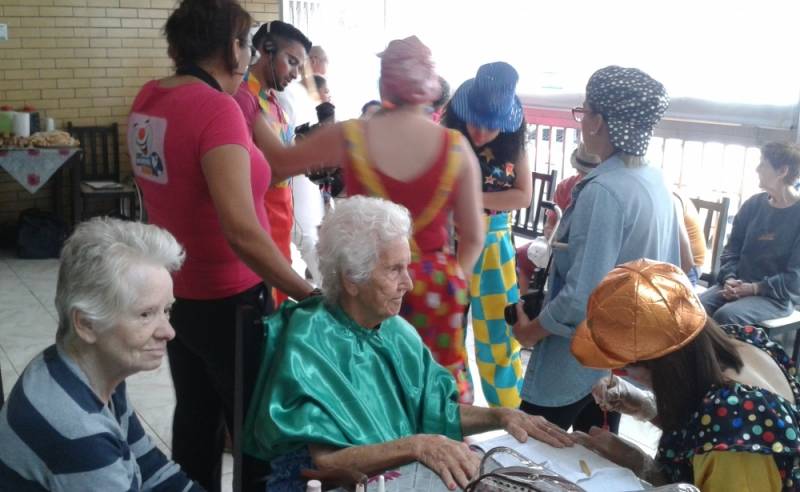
642	310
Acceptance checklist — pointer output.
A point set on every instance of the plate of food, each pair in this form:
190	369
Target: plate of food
53	139
14	142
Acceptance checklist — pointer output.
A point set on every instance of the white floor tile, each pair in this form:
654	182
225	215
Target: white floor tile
153	396
8	373
34	269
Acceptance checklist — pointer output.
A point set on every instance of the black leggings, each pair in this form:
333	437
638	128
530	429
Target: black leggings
201	360
581	415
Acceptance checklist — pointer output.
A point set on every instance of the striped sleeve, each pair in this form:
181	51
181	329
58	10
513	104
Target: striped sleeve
56	435
158	472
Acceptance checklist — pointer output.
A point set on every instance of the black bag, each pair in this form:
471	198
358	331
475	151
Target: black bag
40	234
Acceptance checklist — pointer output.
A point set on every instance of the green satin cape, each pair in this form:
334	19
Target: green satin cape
326	380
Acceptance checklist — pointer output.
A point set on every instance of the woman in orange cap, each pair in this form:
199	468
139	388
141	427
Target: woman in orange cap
731	423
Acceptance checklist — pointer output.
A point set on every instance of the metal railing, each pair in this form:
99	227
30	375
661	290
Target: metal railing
700	159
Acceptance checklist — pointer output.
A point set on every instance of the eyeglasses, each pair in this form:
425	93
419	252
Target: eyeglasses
578	113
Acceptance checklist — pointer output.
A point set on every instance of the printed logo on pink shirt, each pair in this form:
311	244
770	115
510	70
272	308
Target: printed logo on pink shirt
146	146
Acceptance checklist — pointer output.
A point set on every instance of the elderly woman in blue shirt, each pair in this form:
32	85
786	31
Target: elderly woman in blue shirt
68	424
620	211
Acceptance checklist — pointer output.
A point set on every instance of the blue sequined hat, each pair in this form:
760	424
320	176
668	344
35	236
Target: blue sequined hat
631	103
489	100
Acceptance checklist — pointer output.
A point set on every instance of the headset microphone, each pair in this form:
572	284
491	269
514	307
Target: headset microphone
270	48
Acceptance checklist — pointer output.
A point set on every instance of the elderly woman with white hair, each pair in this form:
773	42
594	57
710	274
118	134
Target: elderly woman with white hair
68	424
346	383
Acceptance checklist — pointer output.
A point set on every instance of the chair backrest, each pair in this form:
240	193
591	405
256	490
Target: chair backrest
100	145
246	317
529	222
715	224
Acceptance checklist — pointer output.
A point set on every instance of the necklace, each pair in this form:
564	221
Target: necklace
201	74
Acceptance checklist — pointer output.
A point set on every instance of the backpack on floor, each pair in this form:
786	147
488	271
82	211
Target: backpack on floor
40	234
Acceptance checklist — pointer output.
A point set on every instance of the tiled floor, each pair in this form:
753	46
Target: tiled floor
28	325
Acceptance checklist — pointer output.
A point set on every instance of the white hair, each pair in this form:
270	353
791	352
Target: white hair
351	238
632	161
95	261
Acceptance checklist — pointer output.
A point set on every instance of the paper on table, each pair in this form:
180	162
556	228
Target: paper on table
104	185
605	475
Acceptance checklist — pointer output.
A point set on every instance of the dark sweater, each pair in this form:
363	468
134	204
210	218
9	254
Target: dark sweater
764	247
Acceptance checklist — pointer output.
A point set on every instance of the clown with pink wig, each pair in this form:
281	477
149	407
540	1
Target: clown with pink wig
401	155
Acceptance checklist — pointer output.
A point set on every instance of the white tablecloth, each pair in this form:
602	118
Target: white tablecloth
33	167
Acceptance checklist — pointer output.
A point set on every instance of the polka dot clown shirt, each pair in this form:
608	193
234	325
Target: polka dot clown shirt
741	437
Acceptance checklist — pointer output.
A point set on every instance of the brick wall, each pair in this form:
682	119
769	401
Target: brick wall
83	61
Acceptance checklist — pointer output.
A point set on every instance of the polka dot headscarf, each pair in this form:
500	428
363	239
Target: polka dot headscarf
631	103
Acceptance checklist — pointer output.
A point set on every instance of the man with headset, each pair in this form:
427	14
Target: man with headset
279	51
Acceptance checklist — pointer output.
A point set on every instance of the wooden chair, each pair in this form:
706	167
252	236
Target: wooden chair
529	222
715	226
247	318
99	173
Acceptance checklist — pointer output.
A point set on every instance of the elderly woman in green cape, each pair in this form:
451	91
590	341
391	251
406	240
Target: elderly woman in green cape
346	383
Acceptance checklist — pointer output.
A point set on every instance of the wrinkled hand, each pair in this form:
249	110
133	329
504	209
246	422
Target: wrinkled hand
744	289
527	332
728	289
521	425
736	289
453	461
618	395
615	449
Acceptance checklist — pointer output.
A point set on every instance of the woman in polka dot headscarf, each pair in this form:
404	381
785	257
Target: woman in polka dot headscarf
622	210
725	397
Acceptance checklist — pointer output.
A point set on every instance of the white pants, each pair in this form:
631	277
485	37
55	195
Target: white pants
308	212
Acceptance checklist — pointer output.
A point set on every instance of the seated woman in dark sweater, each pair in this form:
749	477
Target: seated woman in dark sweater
759	276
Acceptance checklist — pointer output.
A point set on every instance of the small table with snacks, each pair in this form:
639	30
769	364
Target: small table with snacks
33	161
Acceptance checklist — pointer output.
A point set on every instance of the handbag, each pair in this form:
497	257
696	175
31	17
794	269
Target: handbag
528	476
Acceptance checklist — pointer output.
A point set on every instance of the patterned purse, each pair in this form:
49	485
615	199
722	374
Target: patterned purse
528	476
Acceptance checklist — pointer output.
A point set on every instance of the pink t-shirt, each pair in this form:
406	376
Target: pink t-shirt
169	131
248	103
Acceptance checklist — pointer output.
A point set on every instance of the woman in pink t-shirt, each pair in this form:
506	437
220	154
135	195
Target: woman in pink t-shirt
204	181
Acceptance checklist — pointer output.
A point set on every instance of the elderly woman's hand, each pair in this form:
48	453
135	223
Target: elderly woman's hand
521	425
745	289
729	289
453	461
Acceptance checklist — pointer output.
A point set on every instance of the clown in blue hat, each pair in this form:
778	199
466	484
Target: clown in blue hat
488	112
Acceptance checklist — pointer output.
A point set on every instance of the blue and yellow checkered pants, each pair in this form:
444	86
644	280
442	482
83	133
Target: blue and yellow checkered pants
493	286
